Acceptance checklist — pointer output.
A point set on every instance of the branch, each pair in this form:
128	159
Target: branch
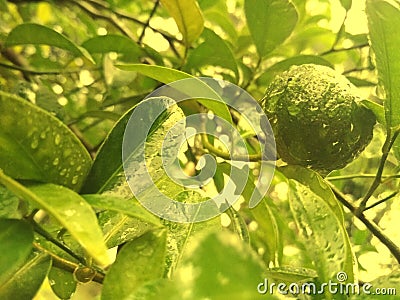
67	265
146	25
377	181
373	228
38	229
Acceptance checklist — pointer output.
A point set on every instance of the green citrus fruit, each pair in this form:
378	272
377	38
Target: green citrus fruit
317	117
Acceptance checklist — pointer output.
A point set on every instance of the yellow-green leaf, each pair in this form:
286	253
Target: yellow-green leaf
187	16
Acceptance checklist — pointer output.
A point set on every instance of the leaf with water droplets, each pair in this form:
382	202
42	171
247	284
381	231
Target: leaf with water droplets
320	222
35	145
220	266
69	209
62	283
128	207
139	262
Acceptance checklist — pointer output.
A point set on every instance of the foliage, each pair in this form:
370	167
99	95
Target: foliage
73	72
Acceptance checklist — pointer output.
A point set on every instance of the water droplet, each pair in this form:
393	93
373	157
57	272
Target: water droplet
34	144
67	152
43	135
57	139
56	161
79	168
63	172
75	179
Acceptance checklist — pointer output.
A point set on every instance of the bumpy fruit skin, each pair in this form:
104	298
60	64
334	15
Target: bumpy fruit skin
317	117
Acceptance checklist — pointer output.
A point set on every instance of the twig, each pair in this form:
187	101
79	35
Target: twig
123	15
100	15
377	181
360	46
354	176
146	25
67	265
382	200
38	229
226	155
373	228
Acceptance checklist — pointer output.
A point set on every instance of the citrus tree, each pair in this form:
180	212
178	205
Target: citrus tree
297	108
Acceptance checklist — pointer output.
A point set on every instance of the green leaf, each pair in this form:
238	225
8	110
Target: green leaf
290	274
382	19
62	283
30	33
162	74
270	23
130	207
269	74
212	52
35	145
107	172
187	16
358	82
320	221
168	75
377	109
16	239
119	228
346	4
220	267
69	209
138	262
114	43
27	280
10	205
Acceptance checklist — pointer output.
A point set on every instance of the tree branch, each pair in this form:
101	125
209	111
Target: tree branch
373	228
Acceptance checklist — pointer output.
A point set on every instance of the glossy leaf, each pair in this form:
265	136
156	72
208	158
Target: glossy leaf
35	145
62	283
16	237
262	213
119	228
270	23
30	33
213	52
346	4
220	267
269	74
377	109
26	281
107	173
130	207
138	262
112	43
168	75
9	205
382	18
69	209
187	16
320	222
